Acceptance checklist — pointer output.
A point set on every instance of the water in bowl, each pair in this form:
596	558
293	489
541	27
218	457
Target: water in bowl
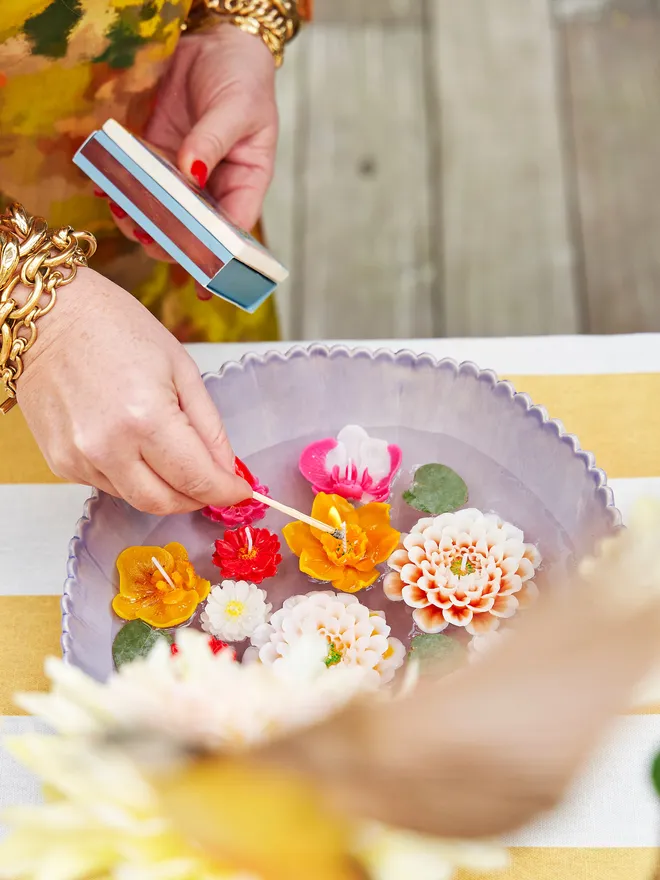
491	488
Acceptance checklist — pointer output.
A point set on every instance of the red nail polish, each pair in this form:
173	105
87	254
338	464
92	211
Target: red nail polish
99	193
117	211
204	295
200	172
142	236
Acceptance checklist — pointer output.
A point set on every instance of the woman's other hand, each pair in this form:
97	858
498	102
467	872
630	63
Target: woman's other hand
114	401
216	118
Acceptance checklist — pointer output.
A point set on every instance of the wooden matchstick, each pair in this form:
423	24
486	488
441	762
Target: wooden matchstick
296	514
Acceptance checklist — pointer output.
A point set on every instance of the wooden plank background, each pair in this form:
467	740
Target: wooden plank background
470	169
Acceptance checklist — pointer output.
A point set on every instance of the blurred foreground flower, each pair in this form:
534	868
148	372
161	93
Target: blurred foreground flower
198	698
103	821
112	818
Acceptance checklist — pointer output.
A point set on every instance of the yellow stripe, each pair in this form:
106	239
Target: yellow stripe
614	416
31	627
20	459
538	863
649	709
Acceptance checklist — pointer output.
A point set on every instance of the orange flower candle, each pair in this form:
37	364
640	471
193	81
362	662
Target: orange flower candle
351	564
158	585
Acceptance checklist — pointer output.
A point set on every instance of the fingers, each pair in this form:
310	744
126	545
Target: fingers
211	139
202	413
240	190
202	293
97	480
178	483
85	474
176	453
134	232
118	470
146	491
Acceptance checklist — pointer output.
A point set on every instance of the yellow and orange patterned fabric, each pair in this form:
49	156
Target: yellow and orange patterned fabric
65	67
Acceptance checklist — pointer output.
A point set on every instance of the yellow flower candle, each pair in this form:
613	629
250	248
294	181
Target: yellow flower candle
158	585
351	564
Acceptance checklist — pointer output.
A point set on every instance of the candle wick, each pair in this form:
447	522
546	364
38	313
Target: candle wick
248	535
165	575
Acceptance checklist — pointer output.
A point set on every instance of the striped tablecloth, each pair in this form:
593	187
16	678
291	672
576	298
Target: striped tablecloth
605	389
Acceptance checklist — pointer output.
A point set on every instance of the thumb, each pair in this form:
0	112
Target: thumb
211	139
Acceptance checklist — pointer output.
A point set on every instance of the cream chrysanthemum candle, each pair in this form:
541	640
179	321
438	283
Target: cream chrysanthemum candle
356	635
468	569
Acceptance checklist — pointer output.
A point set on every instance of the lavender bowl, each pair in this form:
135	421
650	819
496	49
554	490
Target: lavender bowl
514	458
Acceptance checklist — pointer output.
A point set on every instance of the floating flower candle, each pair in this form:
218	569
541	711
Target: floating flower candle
158	585
355	465
356	635
246	512
467	568
234	611
248	554
349	563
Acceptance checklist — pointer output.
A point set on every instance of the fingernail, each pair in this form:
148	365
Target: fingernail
99	193
117	211
142	236
204	295
200	172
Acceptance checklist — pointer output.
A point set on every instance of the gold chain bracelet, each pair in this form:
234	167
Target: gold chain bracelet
33	256
276	21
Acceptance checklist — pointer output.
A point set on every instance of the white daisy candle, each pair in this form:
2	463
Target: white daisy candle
234	610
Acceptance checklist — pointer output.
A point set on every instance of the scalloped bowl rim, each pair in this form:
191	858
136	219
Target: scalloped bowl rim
531	409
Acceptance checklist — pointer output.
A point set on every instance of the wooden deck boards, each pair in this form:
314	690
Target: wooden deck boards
508	260
351	12
470	168
614	83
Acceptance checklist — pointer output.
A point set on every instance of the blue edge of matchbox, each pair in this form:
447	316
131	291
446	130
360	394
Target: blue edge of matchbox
235	282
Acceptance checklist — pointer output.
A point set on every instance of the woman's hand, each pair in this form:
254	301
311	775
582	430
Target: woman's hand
216	118
114	401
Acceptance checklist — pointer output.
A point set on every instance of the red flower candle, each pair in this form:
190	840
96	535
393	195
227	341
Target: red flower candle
245	512
216	645
248	554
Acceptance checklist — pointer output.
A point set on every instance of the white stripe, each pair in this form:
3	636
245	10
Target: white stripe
535	356
17	785
611	805
628	491
36	523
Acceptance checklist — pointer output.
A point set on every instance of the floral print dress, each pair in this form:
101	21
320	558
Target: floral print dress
65	67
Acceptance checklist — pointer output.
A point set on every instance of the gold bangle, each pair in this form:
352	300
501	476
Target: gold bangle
276	21
37	258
